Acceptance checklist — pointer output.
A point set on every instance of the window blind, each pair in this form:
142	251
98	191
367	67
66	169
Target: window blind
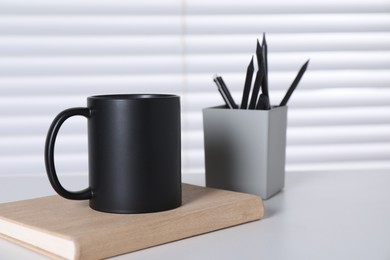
54	54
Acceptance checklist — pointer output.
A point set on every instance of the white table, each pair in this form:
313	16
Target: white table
319	215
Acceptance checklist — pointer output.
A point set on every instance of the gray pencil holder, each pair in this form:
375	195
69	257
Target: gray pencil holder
245	150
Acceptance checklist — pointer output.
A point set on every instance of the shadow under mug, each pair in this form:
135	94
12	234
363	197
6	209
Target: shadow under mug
134	153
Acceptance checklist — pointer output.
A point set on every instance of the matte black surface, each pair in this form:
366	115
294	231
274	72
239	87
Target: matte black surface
256	89
247	85
264	51
134	153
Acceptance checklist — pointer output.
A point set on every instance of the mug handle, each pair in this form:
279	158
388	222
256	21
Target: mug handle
49	154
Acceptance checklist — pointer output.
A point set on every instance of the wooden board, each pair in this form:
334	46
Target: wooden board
70	229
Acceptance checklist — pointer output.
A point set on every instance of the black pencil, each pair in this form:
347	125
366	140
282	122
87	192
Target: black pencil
294	84
259	54
256	88
247	85
264	88
221	92
226	91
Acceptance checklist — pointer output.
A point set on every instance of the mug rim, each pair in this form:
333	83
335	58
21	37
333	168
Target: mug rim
132	96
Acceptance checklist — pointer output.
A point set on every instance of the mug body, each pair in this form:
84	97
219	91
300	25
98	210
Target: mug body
134	144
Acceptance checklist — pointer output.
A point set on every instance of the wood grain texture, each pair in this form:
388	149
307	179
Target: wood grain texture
99	235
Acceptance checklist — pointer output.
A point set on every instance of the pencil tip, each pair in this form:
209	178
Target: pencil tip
264	39
258	46
251	63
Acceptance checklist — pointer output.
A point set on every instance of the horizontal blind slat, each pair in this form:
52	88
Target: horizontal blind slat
89	25
286	23
76	65
89	45
297	42
90	7
223	7
43	86
34	125
204	44
351	60
65	164
216	7
23	146
279	81
239	24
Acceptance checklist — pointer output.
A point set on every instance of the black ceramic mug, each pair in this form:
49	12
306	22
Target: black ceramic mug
134	153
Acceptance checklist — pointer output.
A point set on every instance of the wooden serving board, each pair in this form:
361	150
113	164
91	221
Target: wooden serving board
69	229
